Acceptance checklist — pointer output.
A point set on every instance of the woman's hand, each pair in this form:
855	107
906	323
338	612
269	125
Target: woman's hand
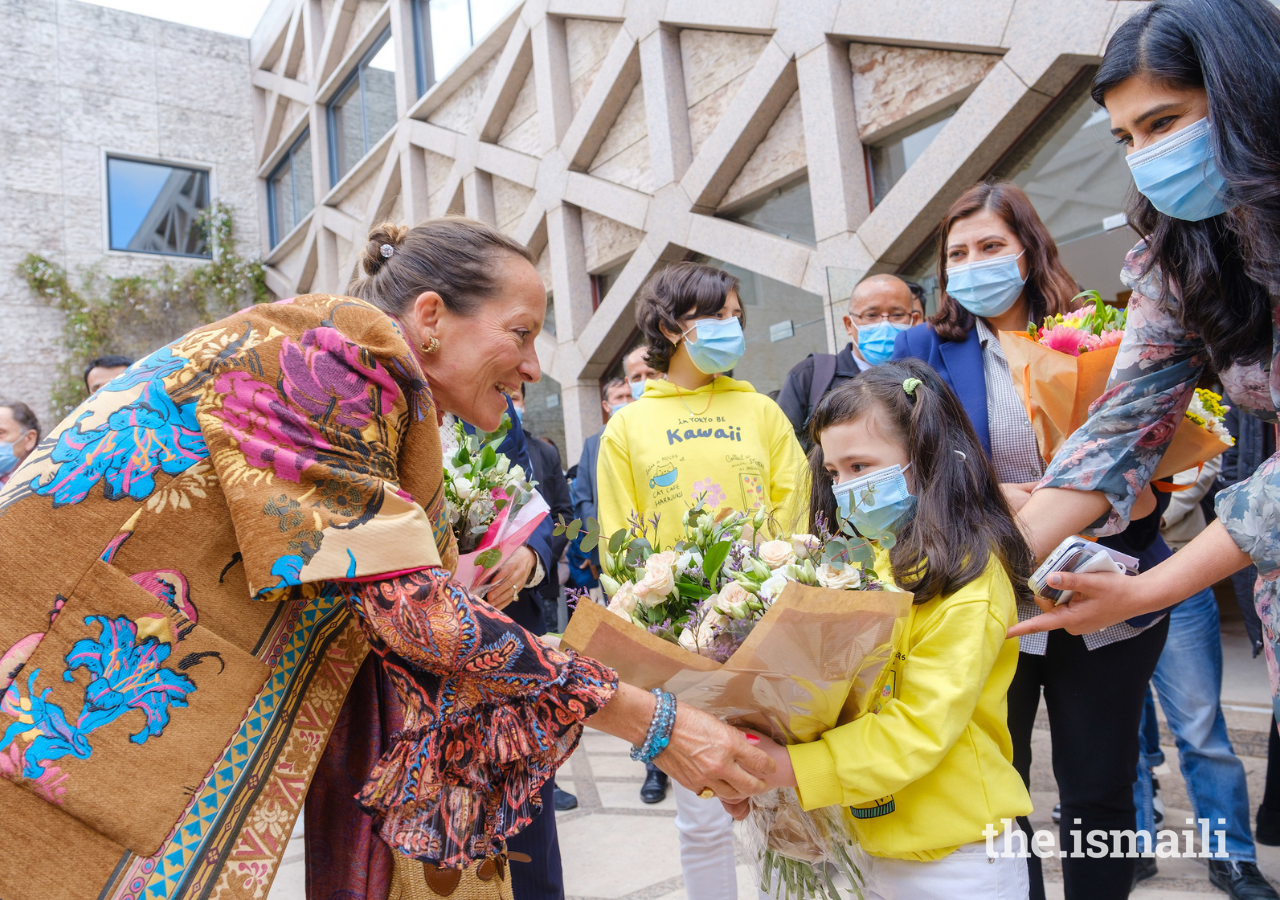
1105	599
783	777
1017	494
703	753
1100	599
510	577
706	753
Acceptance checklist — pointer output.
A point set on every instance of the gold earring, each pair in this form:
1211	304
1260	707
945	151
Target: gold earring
432	345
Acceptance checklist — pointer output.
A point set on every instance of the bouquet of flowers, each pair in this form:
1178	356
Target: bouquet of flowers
788	636
491	504
1208	411
1061	367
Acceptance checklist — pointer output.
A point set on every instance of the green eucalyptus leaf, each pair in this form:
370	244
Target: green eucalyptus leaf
615	542
489	558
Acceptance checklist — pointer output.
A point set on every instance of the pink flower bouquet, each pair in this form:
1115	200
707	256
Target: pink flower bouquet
1059	368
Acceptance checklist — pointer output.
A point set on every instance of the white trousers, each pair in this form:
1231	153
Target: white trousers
966	874
706	847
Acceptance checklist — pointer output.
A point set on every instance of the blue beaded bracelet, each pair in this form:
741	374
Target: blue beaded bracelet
659	735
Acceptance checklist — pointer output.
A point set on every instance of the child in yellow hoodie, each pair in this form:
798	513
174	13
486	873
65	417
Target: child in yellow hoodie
697	434
927	774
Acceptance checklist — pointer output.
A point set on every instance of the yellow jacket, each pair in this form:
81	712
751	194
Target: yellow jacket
932	764
724	441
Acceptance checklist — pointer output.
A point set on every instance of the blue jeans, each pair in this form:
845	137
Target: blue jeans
1188	679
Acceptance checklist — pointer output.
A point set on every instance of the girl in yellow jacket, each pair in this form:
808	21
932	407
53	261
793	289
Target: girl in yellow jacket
927	775
697	434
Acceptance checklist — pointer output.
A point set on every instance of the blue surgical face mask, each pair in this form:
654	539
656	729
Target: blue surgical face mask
877	505
1179	176
987	288
637	389
719	346
8	459
519	413
875	342
614	407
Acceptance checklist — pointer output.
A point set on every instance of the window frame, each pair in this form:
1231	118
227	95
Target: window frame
273	227
356	76
108	154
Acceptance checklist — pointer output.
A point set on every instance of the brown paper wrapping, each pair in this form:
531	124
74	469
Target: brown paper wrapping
811	663
1057	390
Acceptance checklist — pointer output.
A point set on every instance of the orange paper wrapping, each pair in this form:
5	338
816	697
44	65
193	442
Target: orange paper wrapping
810	664
1057	390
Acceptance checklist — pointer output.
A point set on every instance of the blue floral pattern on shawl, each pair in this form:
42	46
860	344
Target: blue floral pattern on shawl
1131	425
148	434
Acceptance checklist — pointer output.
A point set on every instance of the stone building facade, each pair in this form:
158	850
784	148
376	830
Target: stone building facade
800	143
80	84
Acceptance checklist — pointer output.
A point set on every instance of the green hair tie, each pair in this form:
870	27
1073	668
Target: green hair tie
910	386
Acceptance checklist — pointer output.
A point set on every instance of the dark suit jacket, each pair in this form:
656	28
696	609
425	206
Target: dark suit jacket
794	395
515	446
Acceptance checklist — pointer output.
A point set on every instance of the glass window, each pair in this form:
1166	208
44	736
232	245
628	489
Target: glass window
890	160
155	208
446	30
1077	179
786	211
364	109
784	325
290	190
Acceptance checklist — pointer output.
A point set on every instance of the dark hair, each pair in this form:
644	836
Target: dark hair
1225	267
917	294
106	362
610	385
452	256
1049	289
23	415
679	290
961	515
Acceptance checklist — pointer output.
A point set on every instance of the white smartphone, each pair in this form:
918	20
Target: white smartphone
1075	554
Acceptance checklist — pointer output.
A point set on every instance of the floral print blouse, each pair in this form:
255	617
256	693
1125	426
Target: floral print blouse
1131	425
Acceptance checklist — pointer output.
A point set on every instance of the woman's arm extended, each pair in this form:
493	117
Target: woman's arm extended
1102	600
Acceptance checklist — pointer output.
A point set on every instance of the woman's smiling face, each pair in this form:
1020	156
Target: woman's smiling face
484	357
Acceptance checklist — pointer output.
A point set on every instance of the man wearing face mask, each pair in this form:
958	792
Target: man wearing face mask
19	434
880	308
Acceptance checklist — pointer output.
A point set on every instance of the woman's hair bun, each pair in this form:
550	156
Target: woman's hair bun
376	252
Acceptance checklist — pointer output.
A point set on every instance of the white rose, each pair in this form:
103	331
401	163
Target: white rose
687	561
776	554
804	544
772	587
503	464
688	640
462	488
707	630
734	600
658	581
624	600
516	473
847	579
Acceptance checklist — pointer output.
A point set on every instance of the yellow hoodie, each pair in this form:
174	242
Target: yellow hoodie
932	764
723	440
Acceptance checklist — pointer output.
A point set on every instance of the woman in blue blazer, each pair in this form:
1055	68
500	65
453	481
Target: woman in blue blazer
998	269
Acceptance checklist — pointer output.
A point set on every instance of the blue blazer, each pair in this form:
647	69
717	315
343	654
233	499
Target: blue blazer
959	363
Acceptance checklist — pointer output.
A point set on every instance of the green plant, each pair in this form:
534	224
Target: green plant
135	314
